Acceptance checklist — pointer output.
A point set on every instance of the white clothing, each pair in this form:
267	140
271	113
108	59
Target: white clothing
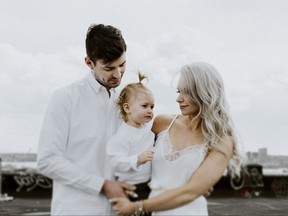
79	120
171	169
123	149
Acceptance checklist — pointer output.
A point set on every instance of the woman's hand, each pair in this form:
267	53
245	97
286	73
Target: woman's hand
122	206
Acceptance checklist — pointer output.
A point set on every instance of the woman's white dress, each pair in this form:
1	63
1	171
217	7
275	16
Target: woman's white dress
171	169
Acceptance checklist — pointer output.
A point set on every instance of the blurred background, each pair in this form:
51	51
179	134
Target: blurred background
42	48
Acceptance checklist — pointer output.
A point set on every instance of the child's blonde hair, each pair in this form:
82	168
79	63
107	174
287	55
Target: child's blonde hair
129	91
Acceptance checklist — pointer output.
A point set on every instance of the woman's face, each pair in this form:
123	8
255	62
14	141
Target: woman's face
186	105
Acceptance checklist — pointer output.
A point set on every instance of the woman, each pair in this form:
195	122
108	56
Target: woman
192	149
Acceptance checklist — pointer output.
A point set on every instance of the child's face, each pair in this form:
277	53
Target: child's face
140	109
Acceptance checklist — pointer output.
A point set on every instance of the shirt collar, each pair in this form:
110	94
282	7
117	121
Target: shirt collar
96	85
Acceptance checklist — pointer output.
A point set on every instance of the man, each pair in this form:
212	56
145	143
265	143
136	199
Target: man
78	122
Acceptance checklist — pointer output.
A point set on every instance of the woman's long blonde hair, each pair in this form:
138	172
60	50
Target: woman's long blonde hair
205	87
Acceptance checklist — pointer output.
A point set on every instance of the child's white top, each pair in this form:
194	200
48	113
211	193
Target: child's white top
123	149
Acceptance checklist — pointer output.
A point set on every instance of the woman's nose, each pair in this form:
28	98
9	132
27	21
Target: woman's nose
179	99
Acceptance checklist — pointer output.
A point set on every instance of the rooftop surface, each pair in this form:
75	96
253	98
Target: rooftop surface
217	206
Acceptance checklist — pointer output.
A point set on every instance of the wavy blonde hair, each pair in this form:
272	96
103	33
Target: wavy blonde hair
129	91
205	87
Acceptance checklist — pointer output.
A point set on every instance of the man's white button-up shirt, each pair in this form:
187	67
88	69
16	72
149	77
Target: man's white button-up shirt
79	120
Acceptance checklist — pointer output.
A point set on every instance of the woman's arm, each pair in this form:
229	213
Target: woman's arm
207	175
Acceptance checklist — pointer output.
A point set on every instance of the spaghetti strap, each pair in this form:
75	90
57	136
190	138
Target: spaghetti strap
172	122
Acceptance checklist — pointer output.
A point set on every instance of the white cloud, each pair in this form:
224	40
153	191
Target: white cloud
42	48
27	80
20	132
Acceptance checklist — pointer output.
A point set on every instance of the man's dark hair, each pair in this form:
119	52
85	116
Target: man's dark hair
104	42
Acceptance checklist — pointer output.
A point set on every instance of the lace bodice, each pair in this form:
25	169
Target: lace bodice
171	169
171	154
166	161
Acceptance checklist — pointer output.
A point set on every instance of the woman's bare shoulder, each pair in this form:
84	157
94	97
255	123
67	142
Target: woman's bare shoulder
161	122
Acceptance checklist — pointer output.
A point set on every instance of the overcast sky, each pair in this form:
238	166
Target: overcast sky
42	48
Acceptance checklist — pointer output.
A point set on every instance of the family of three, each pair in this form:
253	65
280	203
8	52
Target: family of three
107	154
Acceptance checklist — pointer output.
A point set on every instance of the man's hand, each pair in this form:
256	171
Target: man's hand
113	189
123	207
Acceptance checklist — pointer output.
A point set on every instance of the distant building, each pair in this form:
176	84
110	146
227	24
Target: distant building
18	157
267	161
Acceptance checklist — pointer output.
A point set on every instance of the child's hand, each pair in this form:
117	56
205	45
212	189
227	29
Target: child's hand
145	156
